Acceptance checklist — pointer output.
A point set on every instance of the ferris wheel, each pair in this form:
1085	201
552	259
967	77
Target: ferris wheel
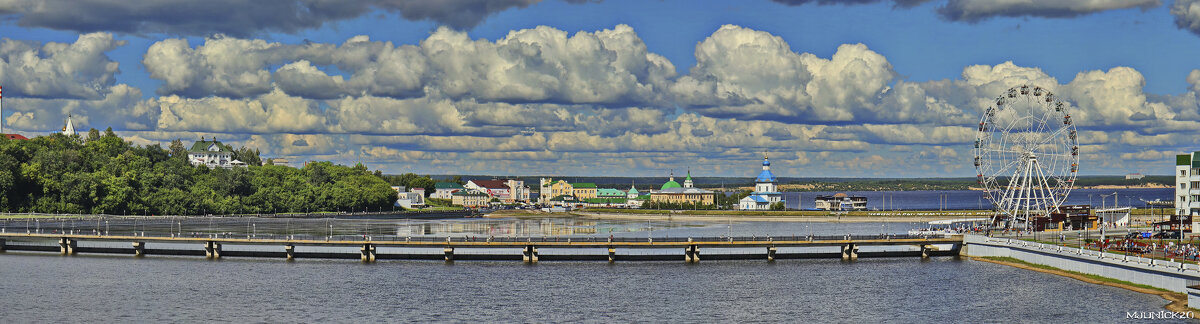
1026	155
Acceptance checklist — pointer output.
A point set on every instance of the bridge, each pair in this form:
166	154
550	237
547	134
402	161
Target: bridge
453	248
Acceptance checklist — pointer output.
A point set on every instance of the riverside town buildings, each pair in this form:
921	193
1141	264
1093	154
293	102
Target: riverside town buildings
507	190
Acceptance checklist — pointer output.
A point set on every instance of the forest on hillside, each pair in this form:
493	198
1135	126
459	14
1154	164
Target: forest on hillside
101	173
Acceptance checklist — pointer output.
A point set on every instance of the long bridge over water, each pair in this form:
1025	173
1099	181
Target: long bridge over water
468	248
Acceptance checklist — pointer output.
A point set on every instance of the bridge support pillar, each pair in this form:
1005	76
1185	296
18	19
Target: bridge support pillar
212	250
530	254
368	252
449	252
3	248
849	252
291	252
925	249
771	254
139	249
691	254
67	246
612	254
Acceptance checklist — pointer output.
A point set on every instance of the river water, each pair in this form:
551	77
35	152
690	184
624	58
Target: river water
97	288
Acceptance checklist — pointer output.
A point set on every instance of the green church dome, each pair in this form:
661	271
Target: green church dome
671	184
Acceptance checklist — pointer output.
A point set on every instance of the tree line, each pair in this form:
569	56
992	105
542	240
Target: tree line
104	174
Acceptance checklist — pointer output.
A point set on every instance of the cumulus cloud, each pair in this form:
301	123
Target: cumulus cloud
1187	15
236	17
118	109
538	97
746	73
543	64
270	113
79	70
977	10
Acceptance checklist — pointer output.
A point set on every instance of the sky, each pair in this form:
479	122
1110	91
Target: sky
858	88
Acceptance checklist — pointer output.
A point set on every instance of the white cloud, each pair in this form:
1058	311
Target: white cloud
79	70
270	113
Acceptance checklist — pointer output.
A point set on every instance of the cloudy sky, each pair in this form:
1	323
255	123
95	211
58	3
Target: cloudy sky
861	88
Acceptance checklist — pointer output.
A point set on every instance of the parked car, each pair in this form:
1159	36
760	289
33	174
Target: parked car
1133	236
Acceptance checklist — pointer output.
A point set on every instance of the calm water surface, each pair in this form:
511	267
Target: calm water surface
95	288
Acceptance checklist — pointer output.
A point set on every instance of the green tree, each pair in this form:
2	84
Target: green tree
177	149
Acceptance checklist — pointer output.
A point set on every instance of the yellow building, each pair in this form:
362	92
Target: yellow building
551	189
584	190
470	198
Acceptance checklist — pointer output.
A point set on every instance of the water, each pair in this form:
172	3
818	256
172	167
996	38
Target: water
99	288
974	199
51	288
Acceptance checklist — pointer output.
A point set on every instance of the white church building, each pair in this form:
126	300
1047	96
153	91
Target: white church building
766	191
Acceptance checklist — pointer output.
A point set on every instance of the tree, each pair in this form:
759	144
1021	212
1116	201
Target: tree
93	135
422	182
177	149
247	155
777	206
57	173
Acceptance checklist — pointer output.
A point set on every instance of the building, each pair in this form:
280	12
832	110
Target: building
15	137
445	190
766	191
470	198
409	199
282	162
673	193
518	192
495	188
840	202
584	190
551	189
634	198
1187	185
1134	176
212	154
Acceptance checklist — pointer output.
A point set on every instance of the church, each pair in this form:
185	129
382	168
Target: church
672	192
766	192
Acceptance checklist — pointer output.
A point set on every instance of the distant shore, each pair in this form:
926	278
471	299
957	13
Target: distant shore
726	216
772	218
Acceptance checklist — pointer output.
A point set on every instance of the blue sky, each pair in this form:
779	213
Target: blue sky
860	89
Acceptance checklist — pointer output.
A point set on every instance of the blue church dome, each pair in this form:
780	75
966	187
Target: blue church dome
765	176
766	162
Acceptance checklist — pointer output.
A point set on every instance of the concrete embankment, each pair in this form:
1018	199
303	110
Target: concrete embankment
1177	277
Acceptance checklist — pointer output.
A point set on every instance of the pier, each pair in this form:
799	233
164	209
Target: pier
451	249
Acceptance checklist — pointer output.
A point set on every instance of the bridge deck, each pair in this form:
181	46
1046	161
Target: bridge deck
510	242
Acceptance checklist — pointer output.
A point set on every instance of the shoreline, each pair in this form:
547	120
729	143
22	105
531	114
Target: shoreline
1177	301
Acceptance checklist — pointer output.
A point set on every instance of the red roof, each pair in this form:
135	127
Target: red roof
16	137
491	184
